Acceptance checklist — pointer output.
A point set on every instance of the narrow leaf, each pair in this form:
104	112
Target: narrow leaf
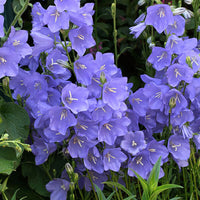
119	186
154	176
110	196
100	194
161	189
130	198
146	191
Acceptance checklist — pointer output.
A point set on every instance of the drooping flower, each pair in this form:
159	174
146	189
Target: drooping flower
138	29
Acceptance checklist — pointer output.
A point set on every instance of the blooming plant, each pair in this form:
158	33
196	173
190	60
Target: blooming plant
68	103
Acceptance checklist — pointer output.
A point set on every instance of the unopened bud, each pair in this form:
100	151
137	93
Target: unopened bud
103	78
188	61
188	1
113	9
72	186
69	168
5	136
141	2
172	102
75	177
27	147
6	82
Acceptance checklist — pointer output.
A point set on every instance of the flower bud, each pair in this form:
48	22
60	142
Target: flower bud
141	2
72	186
172	102
103	78
4	136
75	177
69	169
113	9
27	147
6	82
188	1
188	61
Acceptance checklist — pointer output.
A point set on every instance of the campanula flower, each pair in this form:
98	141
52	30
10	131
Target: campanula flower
159	16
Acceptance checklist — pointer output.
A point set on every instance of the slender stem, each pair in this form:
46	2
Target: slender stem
113	179
113	9
80	192
4	196
126	180
194	174
47	172
185	183
95	21
20	13
92	184
139	189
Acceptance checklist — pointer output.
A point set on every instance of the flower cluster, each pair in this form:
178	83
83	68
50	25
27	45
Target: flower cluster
171	98
76	102
81	104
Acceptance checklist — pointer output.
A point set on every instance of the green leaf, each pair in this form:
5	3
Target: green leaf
3	187
8	160
176	198
154	176
130	198
110	196
15	121
161	189
100	194
146	190
15	196
119	186
37	178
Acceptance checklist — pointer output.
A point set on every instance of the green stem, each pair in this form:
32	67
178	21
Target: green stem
80	192
19	14
140	193
95	21
96	197
194	174
47	172
116	191
113	10
4	196
185	183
